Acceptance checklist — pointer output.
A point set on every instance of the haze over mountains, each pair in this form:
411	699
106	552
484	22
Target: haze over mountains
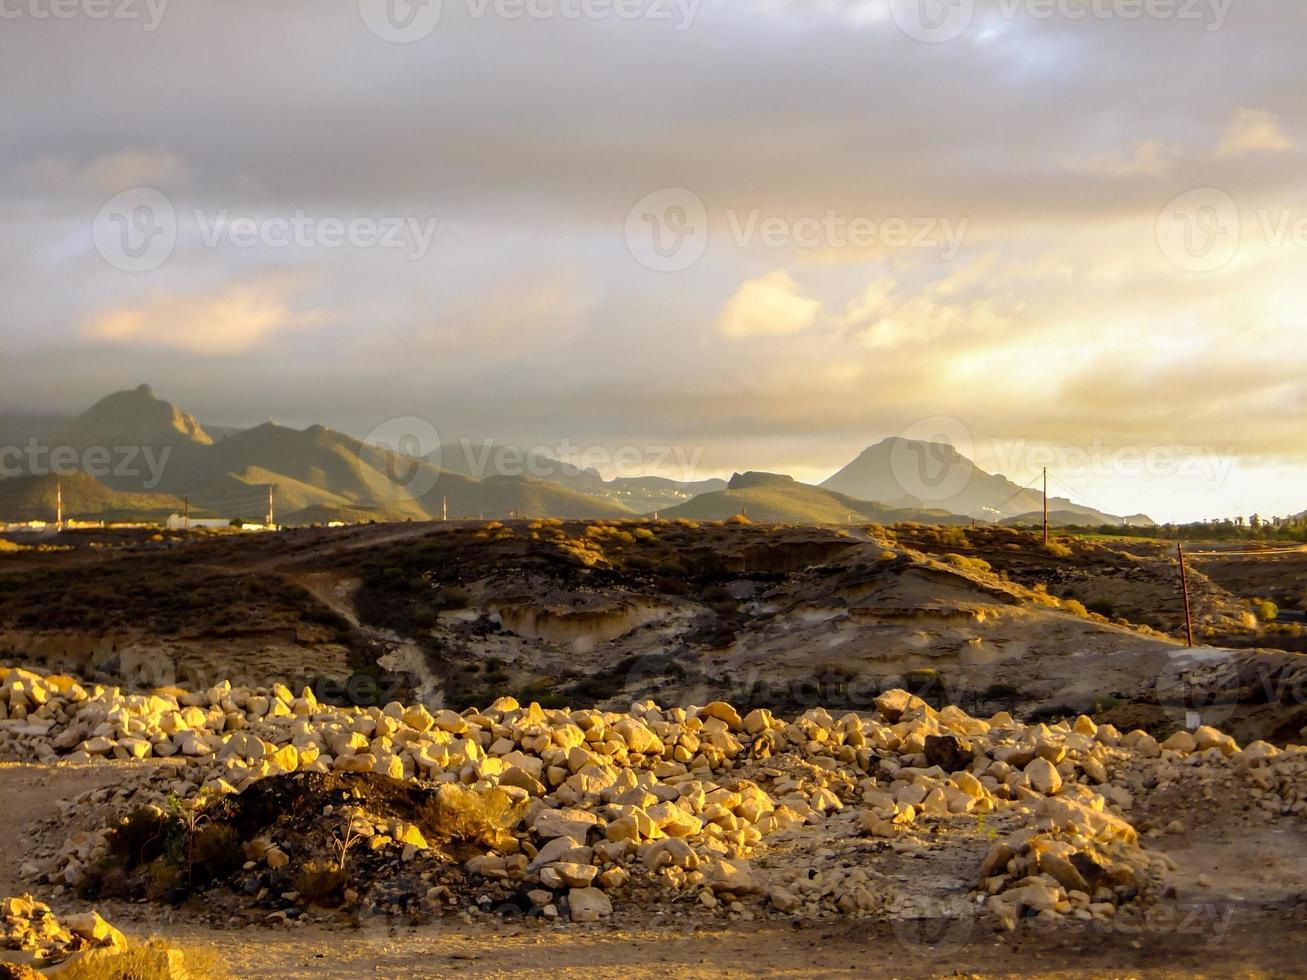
141	455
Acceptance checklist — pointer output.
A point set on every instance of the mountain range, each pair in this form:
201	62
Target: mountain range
140	455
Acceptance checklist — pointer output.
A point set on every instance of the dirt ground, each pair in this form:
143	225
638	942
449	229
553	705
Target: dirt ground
1241	894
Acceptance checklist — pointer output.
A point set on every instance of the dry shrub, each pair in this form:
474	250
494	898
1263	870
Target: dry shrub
968	564
1057	549
464	816
138	838
738	519
322	883
216	852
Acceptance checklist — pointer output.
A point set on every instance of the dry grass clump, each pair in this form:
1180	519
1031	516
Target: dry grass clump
974	565
1057	549
321	883
464	816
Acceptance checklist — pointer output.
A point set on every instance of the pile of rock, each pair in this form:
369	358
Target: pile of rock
1075	859
680	798
33	936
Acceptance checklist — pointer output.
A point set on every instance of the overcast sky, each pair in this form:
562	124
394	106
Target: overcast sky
767	232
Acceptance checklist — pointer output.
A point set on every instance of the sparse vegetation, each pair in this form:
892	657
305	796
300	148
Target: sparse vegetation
1265	610
1057	549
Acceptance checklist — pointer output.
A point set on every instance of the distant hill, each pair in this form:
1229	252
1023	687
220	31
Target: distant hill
640	495
318	474
909	473
1070	518
314	473
772	497
33	498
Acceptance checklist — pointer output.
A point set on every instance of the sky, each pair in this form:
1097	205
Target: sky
685	236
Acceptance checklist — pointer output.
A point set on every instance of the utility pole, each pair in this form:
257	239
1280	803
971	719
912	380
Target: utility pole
59	505
1184	585
1045	506
270	515
186	513
444	508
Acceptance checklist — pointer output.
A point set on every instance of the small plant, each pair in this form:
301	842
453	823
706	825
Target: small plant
344	839
1265	610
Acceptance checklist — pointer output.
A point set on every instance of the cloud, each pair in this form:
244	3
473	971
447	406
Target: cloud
768	307
107	173
234	319
530	282
1253	131
1151	158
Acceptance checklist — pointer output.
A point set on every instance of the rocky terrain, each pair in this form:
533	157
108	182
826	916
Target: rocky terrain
607	613
280	811
920	740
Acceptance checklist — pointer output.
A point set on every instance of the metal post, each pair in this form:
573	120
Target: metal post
1184	585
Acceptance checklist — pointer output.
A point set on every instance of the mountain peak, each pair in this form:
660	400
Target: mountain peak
136	418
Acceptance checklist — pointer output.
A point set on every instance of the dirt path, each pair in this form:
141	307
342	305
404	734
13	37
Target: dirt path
1188	947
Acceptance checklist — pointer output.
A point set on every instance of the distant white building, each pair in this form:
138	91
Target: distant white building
178	523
